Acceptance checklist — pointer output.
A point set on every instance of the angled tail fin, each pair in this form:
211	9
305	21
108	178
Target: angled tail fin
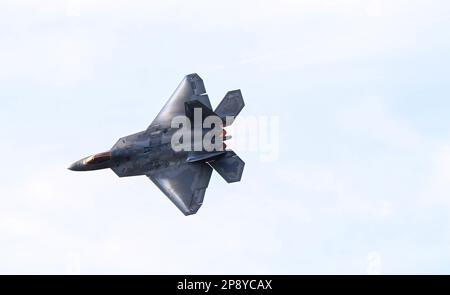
226	163
197	104
229	108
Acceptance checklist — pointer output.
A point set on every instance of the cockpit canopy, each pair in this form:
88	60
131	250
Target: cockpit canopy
98	158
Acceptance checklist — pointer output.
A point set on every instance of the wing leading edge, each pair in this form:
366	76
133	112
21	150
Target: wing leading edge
191	88
185	185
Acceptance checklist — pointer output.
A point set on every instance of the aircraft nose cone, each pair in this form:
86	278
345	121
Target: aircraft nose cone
75	166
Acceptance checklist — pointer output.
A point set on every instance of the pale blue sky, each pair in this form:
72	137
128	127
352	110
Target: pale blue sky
361	89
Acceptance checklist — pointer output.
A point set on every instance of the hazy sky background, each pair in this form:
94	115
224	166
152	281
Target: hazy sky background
361	90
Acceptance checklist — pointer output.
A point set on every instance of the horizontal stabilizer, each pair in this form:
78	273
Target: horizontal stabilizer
229	166
230	106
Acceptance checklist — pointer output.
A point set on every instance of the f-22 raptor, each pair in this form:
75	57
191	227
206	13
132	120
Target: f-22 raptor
182	175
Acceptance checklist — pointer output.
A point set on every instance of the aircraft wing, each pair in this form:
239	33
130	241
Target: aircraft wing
190	88
185	185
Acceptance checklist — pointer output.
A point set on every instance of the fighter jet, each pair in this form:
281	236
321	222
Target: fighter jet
182	175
